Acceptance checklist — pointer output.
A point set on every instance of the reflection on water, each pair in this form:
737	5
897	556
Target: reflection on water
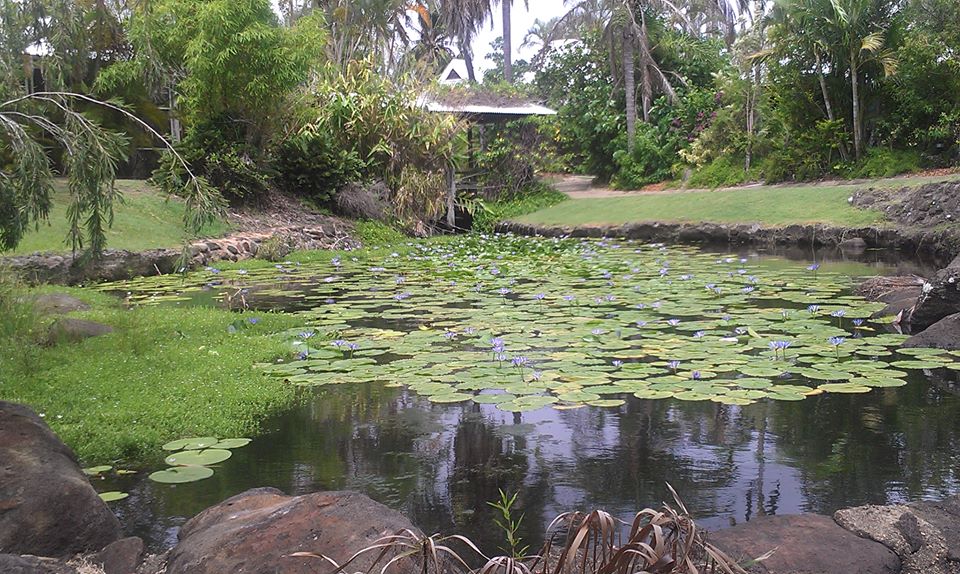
440	464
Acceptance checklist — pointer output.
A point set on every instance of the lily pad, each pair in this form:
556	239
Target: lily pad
190	443
113	495
198	457
181	474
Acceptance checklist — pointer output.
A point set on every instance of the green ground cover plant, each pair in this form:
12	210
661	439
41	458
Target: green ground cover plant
162	374
533	198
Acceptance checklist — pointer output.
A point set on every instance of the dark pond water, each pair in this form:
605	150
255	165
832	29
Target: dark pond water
440	464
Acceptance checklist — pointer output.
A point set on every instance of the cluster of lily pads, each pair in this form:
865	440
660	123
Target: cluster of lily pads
527	323
193	457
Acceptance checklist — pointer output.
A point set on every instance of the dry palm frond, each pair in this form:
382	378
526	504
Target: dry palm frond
664	541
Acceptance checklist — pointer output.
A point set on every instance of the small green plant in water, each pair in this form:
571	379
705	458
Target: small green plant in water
508	525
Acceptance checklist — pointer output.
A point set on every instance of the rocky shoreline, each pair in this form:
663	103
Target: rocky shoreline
119	264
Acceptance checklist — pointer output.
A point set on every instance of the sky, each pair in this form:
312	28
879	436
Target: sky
521	20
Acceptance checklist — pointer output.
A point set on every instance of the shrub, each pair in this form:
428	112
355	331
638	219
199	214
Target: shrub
360	201
274	249
882	162
649	162
312	164
721	172
534	197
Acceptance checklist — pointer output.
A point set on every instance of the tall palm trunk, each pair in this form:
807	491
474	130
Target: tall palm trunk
507	46
827	104
468	61
855	93
630	86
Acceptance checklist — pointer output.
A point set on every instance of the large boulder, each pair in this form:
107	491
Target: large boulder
925	535
47	506
256	531
944	334
805	544
13	564
939	297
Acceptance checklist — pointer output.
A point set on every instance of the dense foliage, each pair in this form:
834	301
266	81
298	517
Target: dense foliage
318	95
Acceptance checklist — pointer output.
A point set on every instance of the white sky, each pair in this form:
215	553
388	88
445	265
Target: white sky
521	20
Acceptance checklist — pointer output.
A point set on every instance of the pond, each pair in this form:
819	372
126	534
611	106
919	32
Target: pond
581	374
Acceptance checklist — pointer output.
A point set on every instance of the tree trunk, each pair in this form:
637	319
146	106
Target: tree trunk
855	93
630	86
468	60
507	47
826	102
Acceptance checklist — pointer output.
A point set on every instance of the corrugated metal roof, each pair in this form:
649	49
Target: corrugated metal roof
509	110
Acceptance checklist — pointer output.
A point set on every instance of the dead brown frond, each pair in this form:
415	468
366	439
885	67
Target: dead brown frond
664	541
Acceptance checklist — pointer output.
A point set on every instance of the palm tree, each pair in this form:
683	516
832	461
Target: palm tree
507	40
462	19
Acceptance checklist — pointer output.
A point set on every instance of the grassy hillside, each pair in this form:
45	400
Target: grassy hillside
146	219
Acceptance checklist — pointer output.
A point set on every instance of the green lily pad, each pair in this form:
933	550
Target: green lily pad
113	495
229	443
190	443
198	457
97	470
181	474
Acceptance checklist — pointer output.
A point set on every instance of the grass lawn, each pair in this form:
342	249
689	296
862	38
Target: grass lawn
146	219
164	373
768	205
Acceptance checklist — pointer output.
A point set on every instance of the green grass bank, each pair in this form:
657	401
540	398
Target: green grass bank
145	219
766	205
162	374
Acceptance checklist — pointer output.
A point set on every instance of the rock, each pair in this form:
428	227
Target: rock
852	245
120	557
920	545
939	297
48	506
255	532
13	564
944	334
806	544
58	304
69	330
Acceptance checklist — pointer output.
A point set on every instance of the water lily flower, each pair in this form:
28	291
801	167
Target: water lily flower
813	267
338	343
568	298
449	334
696	375
698	335
469	330
641	324
598	331
838	313
519	361
213	270
813	308
253	320
400	279
302	355
673	322
503	291
335	262
539	296
673	365
617	363
836	342
306	334
537	375
857	323
748	289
